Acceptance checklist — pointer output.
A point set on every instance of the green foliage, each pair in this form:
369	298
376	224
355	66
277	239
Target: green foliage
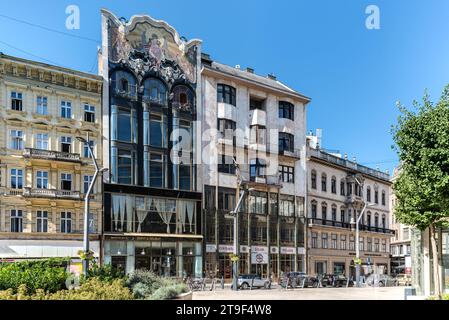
170	292
105	273
147	285
422	139
92	289
49	275
443	297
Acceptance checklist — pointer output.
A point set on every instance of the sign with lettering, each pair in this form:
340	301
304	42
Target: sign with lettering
223	248
259	255
302	251
288	250
210	248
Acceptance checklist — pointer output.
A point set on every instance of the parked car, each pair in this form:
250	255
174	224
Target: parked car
404	279
245	281
296	279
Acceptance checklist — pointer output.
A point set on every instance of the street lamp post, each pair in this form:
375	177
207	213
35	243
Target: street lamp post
86	204
357	237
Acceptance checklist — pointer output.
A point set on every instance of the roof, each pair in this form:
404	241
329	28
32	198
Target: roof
243	75
52	67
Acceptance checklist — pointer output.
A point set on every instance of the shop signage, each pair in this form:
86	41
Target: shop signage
274	250
302	251
288	250
223	248
259	255
408	265
244	249
211	248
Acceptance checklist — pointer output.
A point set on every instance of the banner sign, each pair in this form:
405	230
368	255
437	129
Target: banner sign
210	248
288	250
259	255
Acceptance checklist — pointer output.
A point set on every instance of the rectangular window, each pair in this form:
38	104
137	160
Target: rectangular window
42	180
334	241
286	142
226	94
376	245
342	242
351	243
286	110
287	174
287	207
157	171
41	221
42	141
66	181
226	164
66	109
125	167
257	169
89	113
16	178
314	240
361	244
258	135
16	101
256	104
87	180
66	222
226	128
41	105
324	242
226	199
16	139
406	234
86	151
158	131
16	221
342	188
66	144
184	177
258	203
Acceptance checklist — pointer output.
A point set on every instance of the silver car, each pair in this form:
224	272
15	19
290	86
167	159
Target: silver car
245	281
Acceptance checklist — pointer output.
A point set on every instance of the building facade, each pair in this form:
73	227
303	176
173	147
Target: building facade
400	248
44	169
151	101
253	138
337	191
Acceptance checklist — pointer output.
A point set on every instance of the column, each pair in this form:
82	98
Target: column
268	234
175	150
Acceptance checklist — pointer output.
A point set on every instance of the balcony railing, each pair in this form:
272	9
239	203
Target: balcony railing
339	224
348	164
51	155
51	193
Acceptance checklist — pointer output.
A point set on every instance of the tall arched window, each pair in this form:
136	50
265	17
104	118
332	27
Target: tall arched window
324	212
334	213
376	220
368	219
183	98
384	222
123	84
323	182
334	185
314	209
313	179
342	187
155	91
383	198
368	194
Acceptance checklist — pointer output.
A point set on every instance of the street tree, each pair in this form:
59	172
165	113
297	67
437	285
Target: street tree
422	188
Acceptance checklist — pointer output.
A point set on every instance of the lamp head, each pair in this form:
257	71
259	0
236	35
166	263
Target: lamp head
81	139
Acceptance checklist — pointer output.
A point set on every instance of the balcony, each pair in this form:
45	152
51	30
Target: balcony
346	225
51	193
51	155
258	117
290	153
352	198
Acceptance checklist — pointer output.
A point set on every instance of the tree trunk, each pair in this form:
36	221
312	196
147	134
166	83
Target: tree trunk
435	258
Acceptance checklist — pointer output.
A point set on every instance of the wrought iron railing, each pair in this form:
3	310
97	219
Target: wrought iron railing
51	155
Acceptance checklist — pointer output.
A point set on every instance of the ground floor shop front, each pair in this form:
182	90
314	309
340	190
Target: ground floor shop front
168	257
344	264
260	260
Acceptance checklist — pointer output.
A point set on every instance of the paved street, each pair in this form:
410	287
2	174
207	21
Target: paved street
389	293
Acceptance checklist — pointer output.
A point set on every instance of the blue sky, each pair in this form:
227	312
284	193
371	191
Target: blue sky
321	48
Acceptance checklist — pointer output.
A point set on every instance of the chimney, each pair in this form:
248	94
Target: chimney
249	70
346	156
272	76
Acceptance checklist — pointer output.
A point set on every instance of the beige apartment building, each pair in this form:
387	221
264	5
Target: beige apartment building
44	169
337	192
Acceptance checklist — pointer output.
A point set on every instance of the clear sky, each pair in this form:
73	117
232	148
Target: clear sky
320	48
